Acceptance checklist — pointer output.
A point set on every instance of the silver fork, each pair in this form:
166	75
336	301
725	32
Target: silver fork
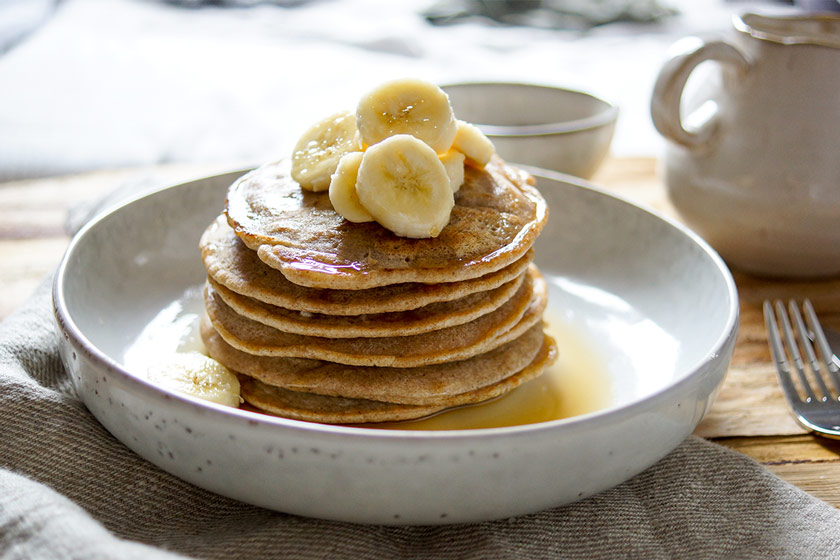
815	403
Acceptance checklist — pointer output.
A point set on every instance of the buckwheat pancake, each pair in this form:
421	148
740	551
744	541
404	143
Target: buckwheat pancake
233	265
497	216
424	385
341	410
489	331
432	317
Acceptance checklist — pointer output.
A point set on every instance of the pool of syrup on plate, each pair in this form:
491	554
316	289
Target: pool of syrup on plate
576	384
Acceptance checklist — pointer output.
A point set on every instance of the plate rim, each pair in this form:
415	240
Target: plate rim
571	424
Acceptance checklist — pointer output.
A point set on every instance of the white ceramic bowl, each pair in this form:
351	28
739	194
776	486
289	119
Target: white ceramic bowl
655	302
544	126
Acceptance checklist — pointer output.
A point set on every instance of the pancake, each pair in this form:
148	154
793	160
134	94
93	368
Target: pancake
496	219
489	331
329	410
424	385
230	263
341	410
432	317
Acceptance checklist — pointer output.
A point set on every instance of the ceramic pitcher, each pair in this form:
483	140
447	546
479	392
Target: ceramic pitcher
754	164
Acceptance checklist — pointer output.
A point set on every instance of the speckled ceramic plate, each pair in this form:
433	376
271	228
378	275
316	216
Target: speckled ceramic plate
654	302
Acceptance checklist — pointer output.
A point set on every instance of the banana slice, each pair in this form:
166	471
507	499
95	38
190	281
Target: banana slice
318	151
407	106
343	189
473	143
196	375
405	187
453	162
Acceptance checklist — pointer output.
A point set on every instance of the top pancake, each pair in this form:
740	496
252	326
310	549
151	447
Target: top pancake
497	217
230	263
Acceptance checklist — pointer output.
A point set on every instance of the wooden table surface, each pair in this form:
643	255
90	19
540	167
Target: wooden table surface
749	416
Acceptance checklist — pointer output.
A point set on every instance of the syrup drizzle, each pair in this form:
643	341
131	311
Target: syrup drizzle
578	383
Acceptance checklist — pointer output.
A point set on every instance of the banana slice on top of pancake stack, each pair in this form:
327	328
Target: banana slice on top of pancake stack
381	273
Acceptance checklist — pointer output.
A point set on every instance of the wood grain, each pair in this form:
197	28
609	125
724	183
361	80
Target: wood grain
749	416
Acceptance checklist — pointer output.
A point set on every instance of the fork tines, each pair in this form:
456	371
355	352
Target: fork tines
800	338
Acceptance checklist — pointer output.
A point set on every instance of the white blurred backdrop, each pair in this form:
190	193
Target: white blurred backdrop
90	84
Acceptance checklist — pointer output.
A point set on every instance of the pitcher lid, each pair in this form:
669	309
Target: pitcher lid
802	29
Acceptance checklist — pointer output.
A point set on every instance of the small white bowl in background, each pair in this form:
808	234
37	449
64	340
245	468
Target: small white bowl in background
545	126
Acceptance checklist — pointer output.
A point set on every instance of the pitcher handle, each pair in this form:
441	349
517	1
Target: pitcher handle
665	102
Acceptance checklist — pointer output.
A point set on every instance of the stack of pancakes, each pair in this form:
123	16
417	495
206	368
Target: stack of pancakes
332	321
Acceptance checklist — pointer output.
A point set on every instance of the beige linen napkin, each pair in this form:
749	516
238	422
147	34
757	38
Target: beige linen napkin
68	489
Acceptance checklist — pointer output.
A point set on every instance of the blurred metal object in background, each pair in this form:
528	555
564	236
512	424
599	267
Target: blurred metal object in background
234	3
549	14
19	18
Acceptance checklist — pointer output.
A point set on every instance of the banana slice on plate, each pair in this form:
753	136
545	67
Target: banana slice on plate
407	106
196	375
405	187
317	153
453	162
473	143
343	189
